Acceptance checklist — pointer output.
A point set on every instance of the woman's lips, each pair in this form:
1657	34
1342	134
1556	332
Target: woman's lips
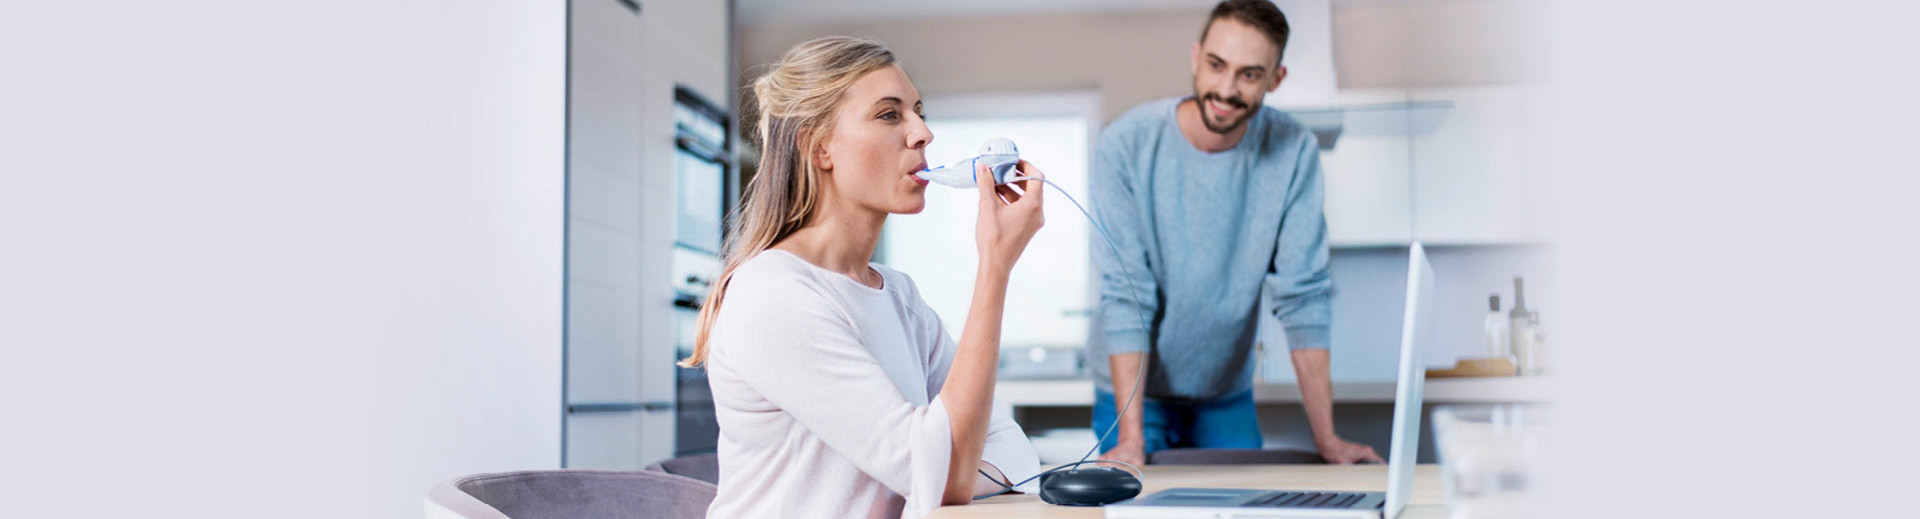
914	173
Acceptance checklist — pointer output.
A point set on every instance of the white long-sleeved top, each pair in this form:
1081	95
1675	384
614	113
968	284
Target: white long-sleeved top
827	393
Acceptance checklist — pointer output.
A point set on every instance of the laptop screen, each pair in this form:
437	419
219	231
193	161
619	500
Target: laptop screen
1412	378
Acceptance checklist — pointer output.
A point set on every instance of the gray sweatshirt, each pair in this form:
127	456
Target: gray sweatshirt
1203	236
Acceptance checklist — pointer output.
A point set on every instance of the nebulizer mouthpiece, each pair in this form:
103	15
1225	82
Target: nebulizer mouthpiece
998	153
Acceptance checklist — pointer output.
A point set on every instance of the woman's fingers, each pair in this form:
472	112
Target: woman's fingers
1005	230
1033	185
983	182
1009	193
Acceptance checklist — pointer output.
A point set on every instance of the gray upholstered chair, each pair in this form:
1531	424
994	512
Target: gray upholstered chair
1232	457
570	494
704	467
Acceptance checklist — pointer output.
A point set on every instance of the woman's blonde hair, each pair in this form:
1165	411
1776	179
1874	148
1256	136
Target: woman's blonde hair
795	102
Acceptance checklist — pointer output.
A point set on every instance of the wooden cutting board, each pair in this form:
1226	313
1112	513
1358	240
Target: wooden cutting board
1477	368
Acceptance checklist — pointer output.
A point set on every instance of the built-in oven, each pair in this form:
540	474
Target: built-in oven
704	179
695	428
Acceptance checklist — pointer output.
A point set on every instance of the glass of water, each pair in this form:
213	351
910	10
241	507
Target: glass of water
1490	459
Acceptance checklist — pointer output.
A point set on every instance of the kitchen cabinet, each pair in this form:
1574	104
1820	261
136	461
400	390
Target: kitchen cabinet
1444	166
1369	199
1477	179
609	407
624	208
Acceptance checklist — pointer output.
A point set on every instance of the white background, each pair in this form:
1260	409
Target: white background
276	260
1737	256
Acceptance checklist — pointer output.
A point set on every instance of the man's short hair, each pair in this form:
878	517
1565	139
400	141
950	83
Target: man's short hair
1259	14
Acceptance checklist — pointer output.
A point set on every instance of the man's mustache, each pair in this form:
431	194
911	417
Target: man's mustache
1233	102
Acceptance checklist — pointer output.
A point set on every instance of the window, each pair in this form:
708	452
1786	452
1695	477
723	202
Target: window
1049	300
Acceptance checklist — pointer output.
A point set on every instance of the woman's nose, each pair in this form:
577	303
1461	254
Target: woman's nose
920	135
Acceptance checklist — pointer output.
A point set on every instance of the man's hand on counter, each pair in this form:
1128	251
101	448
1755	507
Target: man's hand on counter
1312	367
1342	452
1131	447
1134	452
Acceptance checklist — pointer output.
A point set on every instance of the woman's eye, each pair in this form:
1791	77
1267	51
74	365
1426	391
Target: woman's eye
890	115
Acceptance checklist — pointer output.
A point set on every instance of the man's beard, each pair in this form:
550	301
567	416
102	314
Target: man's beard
1224	127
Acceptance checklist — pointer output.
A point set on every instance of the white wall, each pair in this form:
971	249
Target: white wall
287	260
1439	43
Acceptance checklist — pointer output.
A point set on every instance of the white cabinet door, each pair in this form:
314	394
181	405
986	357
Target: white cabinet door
1367	198
1367	180
1477	176
608	421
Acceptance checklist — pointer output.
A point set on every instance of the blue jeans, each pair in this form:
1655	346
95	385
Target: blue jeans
1227	423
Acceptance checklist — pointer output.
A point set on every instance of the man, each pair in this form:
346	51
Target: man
1214	202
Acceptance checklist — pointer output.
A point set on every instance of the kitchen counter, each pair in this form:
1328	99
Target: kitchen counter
1073	393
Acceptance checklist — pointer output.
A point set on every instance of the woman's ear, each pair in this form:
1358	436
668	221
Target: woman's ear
822	161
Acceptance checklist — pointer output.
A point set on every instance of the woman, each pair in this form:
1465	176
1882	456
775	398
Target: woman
838	392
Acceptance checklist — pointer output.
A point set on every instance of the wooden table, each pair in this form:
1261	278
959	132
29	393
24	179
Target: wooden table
1427	502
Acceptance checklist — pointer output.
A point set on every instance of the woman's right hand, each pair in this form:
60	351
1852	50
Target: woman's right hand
1008	218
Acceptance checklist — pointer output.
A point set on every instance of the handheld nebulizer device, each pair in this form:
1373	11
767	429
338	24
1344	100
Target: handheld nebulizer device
1066	484
998	153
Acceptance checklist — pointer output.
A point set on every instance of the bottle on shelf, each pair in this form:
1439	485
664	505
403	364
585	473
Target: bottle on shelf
1517	320
1535	362
1499	346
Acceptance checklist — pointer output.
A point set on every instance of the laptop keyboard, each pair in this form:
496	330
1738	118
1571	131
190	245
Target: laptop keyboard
1309	499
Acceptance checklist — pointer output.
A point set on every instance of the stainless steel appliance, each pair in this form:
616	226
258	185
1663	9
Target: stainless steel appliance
703	173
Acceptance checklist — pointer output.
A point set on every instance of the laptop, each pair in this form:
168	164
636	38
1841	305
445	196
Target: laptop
1225	503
